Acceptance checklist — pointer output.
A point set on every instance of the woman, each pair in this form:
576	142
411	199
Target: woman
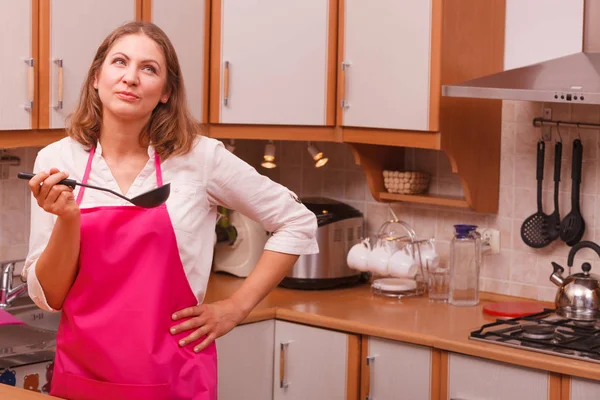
130	281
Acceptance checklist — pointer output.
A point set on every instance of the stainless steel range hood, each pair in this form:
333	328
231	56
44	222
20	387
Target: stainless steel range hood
570	79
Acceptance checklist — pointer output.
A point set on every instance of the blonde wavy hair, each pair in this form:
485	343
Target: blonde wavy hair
171	128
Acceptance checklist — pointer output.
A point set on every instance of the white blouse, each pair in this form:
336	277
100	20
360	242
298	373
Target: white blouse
209	175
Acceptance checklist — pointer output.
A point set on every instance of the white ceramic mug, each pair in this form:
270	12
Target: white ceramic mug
402	264
378	260
358	255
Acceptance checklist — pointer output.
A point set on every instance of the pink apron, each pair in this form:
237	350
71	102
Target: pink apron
113	339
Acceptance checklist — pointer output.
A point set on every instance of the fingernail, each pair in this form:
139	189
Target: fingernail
196	349
182	342
174	316
173	330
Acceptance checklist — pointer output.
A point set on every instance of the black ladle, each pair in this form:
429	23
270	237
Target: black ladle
150	199
553	220
572	226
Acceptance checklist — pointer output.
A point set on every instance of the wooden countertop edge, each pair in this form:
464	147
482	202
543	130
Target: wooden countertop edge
352	327
525	358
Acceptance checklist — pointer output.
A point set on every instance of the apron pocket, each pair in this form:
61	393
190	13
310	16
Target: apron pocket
74	387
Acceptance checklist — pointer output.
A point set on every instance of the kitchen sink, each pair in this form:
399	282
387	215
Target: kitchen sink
26	310
29	343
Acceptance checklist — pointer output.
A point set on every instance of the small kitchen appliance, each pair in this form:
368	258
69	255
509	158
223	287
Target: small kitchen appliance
240	242
340	227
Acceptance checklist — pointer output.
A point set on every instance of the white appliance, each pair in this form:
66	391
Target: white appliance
240	256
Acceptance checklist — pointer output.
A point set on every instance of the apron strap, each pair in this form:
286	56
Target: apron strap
88	168
86	174
159	180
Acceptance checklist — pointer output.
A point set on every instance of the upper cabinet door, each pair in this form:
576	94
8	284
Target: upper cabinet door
273	62
17	66
185	23
540	30
76	29
385	70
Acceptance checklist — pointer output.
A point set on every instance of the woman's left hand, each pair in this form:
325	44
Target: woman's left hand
213	320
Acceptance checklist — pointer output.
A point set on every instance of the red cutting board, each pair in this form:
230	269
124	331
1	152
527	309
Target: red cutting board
512	309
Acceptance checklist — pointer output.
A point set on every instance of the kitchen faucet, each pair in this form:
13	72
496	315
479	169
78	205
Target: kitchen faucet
7	292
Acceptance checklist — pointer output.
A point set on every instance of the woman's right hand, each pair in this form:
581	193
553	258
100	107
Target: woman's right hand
52	197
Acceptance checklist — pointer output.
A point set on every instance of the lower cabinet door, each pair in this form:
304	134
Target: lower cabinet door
245	357
472	378
584	389
395	370
310	363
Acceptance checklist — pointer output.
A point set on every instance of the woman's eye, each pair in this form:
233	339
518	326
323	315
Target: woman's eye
119	61
150	68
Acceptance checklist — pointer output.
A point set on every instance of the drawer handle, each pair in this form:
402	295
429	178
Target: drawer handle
59	103
369	361
283	382
30	84
226	84
344	103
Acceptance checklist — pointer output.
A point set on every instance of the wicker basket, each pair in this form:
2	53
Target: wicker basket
406	182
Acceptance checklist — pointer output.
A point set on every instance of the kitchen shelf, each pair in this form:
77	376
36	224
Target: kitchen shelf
30	138
426	199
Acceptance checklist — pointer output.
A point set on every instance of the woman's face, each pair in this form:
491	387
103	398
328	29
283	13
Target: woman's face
132	79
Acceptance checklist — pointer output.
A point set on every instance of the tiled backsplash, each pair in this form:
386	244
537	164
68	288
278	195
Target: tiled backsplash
517	270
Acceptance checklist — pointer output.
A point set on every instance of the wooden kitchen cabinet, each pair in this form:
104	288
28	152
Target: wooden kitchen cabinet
186	23
393	370
70	33
273	62
477	378
18	41
314	363
245	360
386	74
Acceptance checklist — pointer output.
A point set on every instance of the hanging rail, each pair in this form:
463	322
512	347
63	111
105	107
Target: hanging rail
539	122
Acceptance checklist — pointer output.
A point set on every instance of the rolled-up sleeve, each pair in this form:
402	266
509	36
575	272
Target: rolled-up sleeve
41	225
236	185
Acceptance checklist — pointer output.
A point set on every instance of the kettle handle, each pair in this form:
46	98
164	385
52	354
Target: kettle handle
580	245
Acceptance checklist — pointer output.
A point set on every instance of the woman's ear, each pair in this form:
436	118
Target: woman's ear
165	97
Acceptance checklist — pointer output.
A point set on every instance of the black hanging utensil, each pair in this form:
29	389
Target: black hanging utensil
534	229
553	229
150	199
572	227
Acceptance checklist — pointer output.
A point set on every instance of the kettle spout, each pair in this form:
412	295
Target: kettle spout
556	276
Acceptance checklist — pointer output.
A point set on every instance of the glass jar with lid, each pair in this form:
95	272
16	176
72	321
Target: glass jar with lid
465	265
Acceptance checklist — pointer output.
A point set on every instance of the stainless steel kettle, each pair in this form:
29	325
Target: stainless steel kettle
578	295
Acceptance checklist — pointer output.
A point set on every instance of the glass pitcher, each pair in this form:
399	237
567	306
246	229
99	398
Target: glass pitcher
465	264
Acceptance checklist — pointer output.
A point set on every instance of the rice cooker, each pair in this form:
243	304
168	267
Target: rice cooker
340	227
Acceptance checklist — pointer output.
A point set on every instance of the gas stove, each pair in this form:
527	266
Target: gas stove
545	332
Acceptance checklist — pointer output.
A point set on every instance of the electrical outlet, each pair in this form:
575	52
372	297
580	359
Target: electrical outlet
490	239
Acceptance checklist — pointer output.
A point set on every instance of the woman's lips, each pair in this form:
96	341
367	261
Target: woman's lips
127	96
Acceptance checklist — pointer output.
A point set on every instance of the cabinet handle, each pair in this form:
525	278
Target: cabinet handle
226	83
344	103
369	360
30	84
59	104
283	383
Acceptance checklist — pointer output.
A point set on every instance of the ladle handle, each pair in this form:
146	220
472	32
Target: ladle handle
68	182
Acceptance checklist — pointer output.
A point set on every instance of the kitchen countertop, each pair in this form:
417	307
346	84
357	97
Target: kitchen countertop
411	319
